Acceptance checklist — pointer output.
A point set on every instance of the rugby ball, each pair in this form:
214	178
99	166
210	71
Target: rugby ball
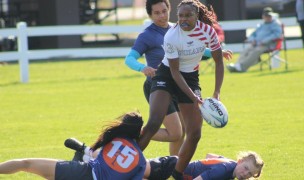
214	112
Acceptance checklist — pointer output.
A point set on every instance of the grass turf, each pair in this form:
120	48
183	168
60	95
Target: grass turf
75	98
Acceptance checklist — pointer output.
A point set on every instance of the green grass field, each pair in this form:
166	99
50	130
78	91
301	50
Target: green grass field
75	98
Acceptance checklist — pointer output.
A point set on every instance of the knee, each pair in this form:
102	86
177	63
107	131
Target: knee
183	136
152	126
177	134
174	136
180	135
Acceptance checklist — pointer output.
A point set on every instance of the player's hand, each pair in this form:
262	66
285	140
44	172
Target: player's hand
227	54
197	99
149	71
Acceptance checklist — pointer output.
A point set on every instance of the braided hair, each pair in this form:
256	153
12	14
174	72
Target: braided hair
206	14
128	126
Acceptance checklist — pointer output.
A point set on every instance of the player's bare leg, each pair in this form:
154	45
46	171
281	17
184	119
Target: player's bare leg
193	125
175	146
173	133
157	114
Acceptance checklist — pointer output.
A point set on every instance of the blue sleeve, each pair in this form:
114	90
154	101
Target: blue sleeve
207	53
131	61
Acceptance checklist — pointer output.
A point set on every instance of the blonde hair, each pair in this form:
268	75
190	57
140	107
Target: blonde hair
255	158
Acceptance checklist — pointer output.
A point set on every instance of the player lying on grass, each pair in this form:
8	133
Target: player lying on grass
248	164
213	167
120	157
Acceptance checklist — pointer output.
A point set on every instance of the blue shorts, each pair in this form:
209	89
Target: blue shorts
73	170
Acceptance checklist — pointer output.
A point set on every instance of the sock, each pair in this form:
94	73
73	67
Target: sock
87	151
177	175
86	158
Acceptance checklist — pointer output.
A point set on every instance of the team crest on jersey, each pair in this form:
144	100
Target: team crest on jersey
161	83
169	48
189	44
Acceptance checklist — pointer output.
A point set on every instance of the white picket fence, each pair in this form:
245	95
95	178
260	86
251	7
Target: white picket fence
24	55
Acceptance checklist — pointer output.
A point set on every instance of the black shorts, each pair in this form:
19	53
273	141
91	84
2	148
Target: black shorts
162	168
73	170
173	106
163	80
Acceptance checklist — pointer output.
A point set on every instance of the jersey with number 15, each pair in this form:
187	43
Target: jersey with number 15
120	159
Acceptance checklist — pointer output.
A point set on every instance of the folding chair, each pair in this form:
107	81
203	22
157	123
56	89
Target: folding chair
274	52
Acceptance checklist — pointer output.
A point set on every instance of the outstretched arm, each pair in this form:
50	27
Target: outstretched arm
40	166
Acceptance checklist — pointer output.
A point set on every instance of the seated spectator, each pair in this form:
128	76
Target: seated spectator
260	40
270	10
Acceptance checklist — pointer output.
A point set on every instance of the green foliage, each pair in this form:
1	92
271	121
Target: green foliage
76	98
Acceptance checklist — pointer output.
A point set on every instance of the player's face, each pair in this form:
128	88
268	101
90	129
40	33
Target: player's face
160	14
244	170
266	18
187	17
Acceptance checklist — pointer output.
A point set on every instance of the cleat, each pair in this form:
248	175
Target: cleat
74	144
162	167
78	156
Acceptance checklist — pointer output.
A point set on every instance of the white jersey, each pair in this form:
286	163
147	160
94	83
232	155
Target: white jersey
189	46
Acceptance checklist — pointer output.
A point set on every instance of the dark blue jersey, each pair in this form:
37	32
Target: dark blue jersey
120	159
211	169
150	42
